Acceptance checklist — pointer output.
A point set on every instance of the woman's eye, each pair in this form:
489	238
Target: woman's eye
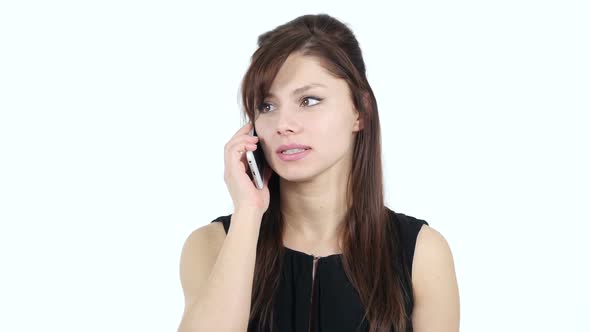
311	97
263	107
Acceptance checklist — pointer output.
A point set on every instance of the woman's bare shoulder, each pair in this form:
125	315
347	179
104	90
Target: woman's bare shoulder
210	236
199	253
436	291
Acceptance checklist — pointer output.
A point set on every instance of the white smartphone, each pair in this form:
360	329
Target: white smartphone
256	162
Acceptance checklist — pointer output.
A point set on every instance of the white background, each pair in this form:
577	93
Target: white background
114	115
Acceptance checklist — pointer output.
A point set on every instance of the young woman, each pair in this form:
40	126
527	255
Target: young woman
316	249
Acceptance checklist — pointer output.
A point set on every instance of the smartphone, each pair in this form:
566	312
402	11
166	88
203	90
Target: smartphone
256	162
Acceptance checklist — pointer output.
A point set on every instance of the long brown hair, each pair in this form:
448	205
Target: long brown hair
369	252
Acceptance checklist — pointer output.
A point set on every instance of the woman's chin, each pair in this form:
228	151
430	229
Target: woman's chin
295	176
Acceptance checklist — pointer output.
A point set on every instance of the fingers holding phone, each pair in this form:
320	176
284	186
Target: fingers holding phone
246	192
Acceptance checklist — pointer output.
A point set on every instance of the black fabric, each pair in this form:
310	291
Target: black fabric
336	304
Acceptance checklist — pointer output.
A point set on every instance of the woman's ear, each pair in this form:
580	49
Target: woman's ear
359	121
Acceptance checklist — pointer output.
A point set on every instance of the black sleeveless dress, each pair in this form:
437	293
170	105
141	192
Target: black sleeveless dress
336	305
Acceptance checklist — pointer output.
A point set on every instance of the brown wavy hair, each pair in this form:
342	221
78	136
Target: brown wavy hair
369	254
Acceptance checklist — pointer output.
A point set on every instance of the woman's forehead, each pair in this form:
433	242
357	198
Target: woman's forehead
303	70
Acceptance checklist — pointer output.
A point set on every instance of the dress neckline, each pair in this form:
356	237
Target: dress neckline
301	253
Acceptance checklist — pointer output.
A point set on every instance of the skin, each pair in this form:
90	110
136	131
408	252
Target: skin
436	293
312	189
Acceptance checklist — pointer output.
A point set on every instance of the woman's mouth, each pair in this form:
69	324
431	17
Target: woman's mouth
293	154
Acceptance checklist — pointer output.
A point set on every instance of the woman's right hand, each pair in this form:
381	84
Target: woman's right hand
242	189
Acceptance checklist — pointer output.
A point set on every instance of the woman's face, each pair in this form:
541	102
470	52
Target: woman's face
322	117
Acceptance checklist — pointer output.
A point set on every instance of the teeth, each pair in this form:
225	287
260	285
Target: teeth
291	151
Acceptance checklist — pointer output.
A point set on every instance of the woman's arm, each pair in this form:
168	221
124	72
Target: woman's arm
217	282
436	293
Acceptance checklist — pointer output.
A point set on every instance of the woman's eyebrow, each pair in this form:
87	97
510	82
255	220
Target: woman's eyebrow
302	89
